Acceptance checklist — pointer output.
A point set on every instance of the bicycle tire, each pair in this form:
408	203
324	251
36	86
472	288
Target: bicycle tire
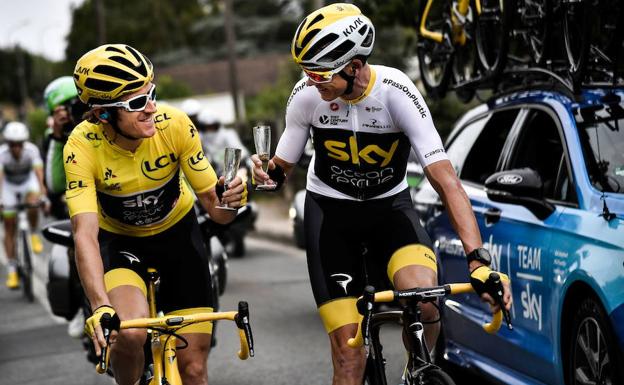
435	59
25	265
576	20
464	66
492	35
437	376
537	21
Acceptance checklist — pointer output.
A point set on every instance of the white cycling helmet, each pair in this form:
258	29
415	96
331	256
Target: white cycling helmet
15	132
190	107
208	118
331	36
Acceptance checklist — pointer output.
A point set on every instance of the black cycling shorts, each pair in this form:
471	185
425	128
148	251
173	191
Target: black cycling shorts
347	241
178	254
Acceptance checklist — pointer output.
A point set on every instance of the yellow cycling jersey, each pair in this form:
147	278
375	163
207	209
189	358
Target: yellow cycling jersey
138	193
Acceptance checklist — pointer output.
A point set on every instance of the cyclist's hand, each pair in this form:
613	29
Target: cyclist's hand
481	282
236	194
93	328
258	176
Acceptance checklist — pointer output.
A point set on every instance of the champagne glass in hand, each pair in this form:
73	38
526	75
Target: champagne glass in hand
231	162
262	140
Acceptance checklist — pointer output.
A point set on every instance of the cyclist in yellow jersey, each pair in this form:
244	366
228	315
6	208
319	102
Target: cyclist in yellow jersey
130	208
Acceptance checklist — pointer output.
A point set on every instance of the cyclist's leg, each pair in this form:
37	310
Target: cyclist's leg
124	266
9	216
186	288
32	194
411	263
127	358
336	275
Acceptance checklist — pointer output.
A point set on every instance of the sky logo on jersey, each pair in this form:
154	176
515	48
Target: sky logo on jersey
350	151
160	168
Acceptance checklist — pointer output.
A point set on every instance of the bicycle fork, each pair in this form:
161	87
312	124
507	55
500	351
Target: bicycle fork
419	358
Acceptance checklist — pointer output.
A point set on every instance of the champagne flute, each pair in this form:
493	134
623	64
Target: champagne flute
231	162
262	140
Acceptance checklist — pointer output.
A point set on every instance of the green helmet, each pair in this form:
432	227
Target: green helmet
59	91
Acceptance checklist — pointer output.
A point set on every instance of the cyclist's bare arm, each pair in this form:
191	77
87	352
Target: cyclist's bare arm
39	174
444	180
261	176
88	260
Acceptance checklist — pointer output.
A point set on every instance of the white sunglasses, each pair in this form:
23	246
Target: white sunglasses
136	103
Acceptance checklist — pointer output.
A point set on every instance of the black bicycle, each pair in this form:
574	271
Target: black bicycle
419	368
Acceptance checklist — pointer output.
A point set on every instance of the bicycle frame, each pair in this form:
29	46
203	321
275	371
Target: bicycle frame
459	34
163	345
419	359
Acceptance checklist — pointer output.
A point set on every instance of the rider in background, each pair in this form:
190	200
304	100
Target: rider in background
65	109
364	120
21	173
215	137
130	209
191	108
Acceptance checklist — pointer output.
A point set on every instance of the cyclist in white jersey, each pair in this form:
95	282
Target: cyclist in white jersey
364	119
21	173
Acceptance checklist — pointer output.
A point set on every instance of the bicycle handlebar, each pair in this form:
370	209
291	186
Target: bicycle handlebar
174	322
365	304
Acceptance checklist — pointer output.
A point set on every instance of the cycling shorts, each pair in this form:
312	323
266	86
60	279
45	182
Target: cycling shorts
354	243
11	190
180	257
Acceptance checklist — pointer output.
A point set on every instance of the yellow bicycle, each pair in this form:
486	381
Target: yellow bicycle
163	338
460	40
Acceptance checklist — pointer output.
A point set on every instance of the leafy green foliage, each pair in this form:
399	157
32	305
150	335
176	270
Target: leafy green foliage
168	88
36	121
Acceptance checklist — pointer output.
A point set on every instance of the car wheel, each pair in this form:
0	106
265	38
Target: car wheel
593	357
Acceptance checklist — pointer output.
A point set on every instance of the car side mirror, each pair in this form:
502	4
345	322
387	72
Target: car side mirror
522	187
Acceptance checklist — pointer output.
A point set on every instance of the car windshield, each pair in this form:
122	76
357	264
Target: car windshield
601	129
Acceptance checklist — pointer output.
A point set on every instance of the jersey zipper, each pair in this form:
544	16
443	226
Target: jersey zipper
355	124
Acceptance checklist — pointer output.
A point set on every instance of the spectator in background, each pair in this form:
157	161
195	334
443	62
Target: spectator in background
66	110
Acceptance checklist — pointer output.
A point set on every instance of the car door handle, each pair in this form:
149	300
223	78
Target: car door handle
492	215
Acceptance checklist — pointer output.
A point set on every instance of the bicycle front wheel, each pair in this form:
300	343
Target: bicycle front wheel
435	58
24	256
433	376
493	35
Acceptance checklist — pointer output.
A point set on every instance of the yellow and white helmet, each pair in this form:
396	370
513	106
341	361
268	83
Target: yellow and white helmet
328	38
110	71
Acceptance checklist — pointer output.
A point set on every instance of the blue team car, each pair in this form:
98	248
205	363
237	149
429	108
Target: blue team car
544	172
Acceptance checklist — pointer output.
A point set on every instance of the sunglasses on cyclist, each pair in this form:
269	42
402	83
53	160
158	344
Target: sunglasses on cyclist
320	77
136	103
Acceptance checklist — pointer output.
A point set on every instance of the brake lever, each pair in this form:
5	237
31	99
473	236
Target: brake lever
497	292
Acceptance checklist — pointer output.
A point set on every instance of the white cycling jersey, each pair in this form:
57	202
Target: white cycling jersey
361	146
17	171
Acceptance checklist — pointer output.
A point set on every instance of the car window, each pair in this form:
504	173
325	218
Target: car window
462	143
601	130
539	147
483	155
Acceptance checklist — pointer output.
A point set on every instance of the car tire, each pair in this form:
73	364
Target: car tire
591	344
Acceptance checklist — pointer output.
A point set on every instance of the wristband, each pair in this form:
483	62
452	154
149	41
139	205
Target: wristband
278	176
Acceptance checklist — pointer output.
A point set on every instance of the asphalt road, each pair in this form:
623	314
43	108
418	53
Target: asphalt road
291	345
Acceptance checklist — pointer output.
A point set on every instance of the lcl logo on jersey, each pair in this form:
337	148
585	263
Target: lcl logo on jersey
94	138
350	151
195	161
159	168
161	118
74	184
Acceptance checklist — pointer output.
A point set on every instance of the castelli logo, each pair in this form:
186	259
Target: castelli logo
334	107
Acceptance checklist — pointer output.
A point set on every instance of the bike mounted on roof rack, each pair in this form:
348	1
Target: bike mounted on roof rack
504	45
